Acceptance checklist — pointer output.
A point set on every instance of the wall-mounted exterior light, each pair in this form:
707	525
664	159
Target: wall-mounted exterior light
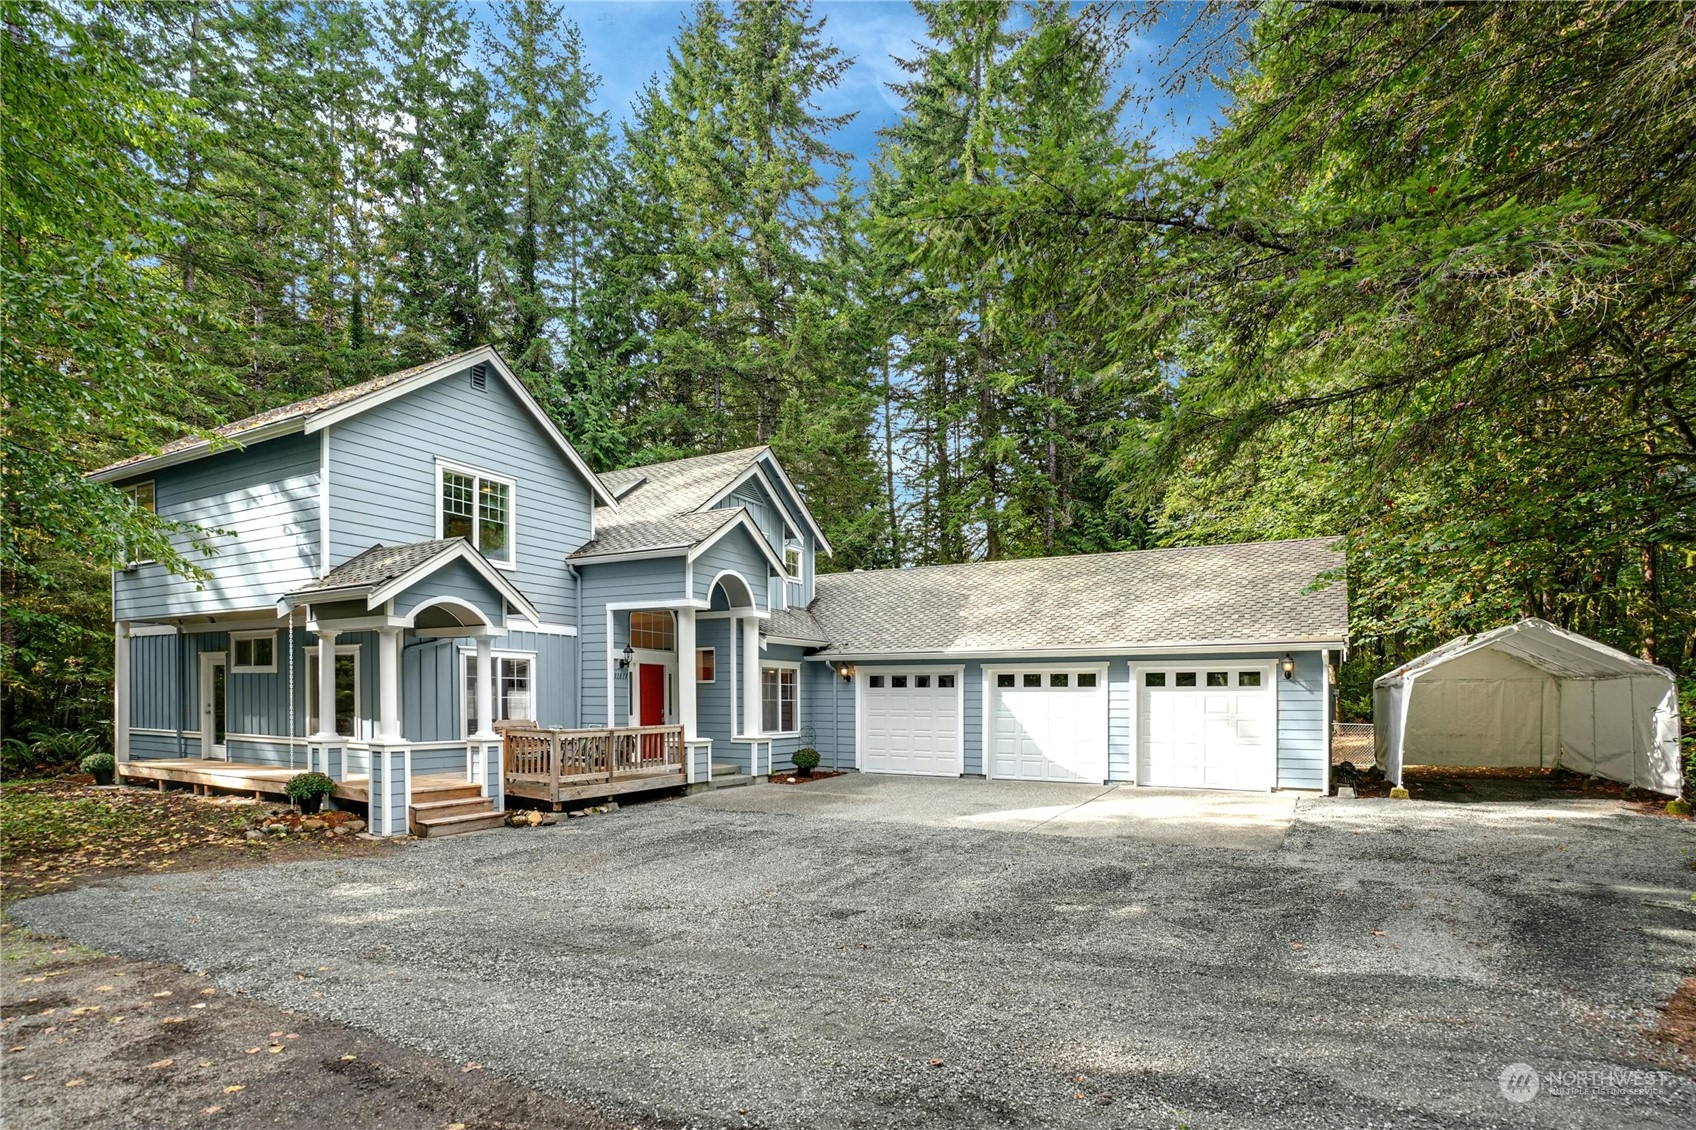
624	660
1288	665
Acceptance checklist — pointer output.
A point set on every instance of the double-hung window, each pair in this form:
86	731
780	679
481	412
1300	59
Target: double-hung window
779	701
792	564
478	508
141	496
512	700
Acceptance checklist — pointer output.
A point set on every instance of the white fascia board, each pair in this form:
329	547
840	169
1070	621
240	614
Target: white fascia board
459	364
791	641
633	555
461	552
198	450
744	521
1139	651
800	502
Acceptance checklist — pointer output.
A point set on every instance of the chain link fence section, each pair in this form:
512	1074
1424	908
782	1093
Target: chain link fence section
1353	742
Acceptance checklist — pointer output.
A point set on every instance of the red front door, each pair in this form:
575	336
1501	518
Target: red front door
651	696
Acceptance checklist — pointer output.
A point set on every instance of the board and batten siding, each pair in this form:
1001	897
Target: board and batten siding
659	579
827	704
713	701
384	484
266	498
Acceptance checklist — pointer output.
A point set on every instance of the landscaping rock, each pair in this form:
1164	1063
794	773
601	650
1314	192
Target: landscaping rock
575	814
277	829
355	825
254	834
312	824
549	819
1345	793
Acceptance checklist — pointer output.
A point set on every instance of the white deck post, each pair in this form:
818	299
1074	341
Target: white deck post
752	715
686	672
485	692
326	731
121	690
388	686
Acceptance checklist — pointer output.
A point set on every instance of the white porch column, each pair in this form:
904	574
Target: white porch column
326	687
121	690
686	672
485	692
751	717
388	686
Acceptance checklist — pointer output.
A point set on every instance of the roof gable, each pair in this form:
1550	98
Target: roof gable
318	412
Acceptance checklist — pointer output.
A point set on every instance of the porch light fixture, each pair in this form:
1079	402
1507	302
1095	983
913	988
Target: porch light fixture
846	671
624	660
1288	665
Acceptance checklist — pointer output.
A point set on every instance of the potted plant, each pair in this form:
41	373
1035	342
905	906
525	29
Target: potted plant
308	790
100	766
806	760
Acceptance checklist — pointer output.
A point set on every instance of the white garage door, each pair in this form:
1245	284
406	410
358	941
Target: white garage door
910	721
1207	727
1048	724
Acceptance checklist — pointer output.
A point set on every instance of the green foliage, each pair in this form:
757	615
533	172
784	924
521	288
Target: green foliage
806	759
303	786
98	764
1678	806
61	750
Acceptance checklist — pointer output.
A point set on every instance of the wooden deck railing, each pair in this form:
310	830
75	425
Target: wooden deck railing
575	762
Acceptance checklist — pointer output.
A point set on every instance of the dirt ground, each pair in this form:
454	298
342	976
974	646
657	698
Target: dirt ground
1460	784
92	1040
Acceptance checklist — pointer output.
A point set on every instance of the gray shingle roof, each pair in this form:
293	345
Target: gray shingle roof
794	624
662	512
300	409
381	564
1228	594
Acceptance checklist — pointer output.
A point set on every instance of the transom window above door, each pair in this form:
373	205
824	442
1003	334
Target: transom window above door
478	508
653	631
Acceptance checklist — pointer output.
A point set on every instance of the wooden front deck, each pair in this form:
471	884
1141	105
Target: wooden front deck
205	774
561	766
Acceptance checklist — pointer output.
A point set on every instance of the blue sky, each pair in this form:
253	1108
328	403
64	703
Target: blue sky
626	43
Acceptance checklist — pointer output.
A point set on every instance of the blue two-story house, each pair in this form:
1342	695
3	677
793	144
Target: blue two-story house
423	590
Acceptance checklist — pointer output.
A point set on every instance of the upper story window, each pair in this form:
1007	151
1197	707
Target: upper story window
141	494
792	559
478	508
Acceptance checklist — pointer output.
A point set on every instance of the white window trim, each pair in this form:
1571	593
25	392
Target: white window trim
308	669
444	465
129	493
799	574
468	655
253	669
699	652
780	665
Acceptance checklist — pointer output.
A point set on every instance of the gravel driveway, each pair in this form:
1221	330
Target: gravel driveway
727	961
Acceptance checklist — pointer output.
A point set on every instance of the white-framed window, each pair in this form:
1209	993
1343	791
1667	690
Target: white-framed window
653	631
792	562
142	497
706	665
253	653
780	701
514	697
480	508
348	712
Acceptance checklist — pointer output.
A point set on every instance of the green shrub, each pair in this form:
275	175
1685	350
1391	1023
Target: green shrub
806	760
61	749
304	785
16	760
1678	807
98	763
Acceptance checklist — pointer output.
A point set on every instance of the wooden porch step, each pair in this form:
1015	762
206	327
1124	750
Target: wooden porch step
454	825
433	810
448	788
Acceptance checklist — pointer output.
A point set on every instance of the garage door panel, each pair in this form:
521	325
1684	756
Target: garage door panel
1207	729
1048	724
911	721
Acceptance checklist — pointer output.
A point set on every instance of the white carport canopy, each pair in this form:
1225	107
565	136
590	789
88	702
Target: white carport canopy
1531	694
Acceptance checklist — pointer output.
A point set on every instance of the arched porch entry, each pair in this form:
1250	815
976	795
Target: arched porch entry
734	618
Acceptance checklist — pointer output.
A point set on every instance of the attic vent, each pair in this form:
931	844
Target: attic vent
480	378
